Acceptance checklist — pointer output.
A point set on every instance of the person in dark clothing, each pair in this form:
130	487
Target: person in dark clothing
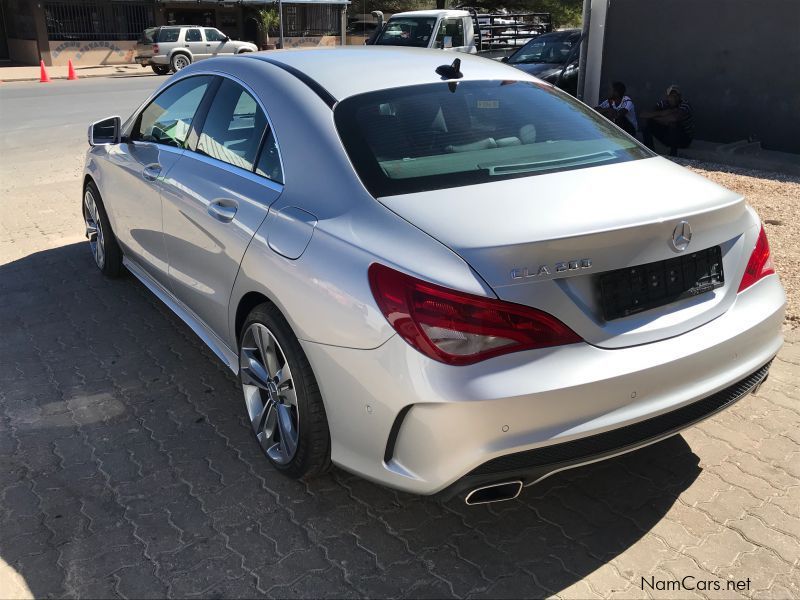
619	109
671	122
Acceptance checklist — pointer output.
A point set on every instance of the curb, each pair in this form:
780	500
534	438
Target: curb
83	76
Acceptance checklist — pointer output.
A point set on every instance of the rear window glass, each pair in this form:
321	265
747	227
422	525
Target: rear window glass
443	135
407	31
168	34
148	36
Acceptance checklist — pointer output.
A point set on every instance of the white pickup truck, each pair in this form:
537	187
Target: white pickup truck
494	35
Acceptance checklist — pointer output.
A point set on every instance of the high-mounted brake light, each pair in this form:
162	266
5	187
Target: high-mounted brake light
458	328
760	263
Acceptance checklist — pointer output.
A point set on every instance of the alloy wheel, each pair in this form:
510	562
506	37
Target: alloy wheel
269	393
94	228
180	63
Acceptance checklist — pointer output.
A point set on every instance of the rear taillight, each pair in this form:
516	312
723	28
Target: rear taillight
458	328
155	48
760	263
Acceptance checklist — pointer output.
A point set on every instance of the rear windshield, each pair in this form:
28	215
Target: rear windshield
407	31
148	36
168	34
443	135
546	49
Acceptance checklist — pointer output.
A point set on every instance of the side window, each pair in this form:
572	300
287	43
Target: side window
193	35
454	29
168	34
269	165
168	119
233	128
214	35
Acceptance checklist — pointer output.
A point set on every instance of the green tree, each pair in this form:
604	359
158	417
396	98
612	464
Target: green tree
268	20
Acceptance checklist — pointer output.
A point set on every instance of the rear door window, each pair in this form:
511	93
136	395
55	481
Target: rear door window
234	127
168	34
193	35
168	118
269	163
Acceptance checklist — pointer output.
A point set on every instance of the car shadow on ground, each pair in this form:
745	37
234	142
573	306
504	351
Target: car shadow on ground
127	468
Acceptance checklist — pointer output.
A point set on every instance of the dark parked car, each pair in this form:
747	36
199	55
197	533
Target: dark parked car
552	57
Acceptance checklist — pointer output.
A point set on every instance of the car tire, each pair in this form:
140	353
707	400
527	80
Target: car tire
282	398
244	51
180	60
160	69
102	241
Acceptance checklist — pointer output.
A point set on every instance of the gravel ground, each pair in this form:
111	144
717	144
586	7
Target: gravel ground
776	197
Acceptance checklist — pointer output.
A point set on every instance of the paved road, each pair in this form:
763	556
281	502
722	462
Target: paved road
127	467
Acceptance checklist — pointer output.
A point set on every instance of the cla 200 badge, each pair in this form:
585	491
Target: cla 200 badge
559	267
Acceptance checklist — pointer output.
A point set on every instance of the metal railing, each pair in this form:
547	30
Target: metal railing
97	19
301	20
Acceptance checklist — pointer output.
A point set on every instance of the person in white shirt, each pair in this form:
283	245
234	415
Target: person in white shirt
619	108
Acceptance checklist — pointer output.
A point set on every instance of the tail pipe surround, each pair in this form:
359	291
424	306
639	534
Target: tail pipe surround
495	492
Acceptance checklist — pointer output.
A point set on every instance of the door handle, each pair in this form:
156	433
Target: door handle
223	210
151	172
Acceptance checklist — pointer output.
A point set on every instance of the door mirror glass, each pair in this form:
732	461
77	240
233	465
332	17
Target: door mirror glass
105	132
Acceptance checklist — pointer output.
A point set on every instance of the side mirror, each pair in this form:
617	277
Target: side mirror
225	38
504	59
105	132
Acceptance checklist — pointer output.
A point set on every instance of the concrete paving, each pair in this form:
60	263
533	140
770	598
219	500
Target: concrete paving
127	468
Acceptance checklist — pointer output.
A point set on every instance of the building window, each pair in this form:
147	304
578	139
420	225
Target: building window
97	19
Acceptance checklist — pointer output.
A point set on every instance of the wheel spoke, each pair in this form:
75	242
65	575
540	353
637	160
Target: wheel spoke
259	419
268	349
253	372
288	432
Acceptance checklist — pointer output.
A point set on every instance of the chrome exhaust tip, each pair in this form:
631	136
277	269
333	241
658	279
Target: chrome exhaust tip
496	492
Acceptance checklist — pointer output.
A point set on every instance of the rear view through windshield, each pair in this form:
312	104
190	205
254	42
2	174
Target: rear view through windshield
444	135
407	31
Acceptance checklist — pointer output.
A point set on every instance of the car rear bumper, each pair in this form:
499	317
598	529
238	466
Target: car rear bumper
403	420
146	61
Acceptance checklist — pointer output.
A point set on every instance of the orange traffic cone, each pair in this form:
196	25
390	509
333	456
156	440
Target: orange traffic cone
43	77
71	76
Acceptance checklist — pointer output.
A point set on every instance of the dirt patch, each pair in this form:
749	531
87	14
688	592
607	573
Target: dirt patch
776	197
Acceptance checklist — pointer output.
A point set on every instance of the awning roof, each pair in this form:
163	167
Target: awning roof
253	3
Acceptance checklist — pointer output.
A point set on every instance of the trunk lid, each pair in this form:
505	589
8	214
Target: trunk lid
614	216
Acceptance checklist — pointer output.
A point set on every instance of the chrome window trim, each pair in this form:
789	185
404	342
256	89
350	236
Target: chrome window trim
255	97
277	186
233	169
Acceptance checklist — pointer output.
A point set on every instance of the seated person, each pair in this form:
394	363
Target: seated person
619	109
670	122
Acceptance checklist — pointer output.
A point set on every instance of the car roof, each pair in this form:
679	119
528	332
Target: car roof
431	13
346	71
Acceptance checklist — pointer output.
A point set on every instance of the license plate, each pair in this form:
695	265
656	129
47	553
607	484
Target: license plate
631	290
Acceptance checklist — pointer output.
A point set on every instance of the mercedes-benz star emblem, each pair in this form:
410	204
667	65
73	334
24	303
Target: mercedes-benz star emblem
681	236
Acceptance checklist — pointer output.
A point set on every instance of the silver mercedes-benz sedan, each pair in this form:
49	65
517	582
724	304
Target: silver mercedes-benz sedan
443	277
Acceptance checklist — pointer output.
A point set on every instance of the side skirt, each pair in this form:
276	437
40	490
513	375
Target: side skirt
185	314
